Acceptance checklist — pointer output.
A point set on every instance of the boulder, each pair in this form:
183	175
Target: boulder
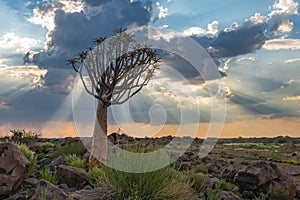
46	190
224	195
257	175
258	178
72	176
13	168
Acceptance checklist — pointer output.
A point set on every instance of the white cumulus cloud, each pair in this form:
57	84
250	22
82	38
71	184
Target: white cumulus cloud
282	44
10	42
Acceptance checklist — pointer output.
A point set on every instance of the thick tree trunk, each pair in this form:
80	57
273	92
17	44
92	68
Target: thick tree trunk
98	154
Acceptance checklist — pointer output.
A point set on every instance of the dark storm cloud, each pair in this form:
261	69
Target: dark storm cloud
246	39
74	31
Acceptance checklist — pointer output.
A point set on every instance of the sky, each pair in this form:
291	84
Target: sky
253	45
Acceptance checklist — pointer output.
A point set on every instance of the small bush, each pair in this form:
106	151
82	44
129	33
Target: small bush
162	184
293	162
69	149
98	177
46	145
201	169
262	196
280	195
18	135
245	162
76	161
47	175
228	186
211	195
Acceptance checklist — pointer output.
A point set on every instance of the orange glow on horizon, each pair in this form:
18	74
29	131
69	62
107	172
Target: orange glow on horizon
248	128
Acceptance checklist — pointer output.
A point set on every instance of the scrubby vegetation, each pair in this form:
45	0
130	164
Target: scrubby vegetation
47	175
190	177
75	161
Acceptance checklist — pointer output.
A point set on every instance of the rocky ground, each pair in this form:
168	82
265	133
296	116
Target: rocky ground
234	169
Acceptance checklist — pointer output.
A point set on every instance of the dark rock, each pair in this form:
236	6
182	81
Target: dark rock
72	176
14	167
224	195
64	187
19	196
228	173
35	146
281	174
211	182
212	168
60	160
256	175
294	154
31	181
257	178
46	190
298	193
44	161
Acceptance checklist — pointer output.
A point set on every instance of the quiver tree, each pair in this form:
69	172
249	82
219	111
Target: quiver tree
112	71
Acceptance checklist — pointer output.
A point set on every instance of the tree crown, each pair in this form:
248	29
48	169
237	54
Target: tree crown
116	68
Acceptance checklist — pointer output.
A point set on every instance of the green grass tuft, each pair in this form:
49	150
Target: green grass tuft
30	155
76	161
47	175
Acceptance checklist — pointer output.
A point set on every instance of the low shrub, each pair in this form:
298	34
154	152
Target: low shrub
76	161
47	175
164	184
46	145
69	149
30	155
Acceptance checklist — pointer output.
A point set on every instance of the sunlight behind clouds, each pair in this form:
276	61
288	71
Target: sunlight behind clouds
12	43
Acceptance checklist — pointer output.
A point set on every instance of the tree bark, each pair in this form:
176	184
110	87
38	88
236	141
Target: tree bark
98	152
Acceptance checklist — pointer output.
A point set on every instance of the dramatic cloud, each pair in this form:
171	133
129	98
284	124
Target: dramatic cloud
279	17
230	43
72	25
71	31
